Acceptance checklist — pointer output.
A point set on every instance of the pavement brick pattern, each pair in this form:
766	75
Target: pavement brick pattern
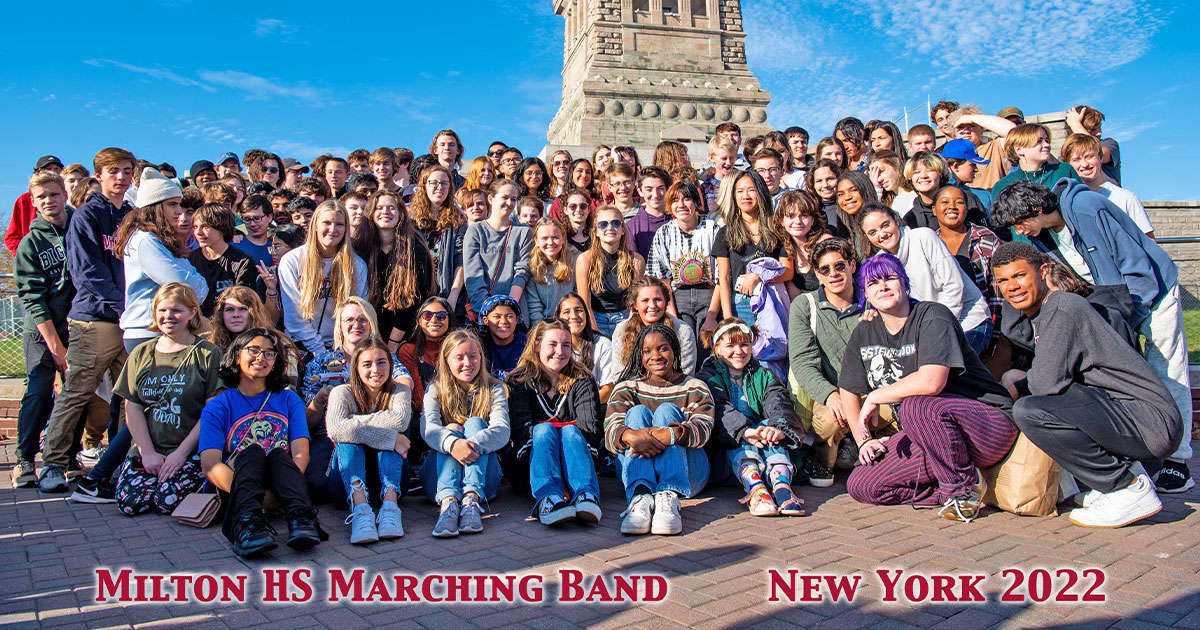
49	549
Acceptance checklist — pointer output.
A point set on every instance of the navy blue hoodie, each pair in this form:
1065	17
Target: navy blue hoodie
98	276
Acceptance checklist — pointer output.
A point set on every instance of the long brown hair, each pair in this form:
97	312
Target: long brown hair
367	401
399	290
150	220
451	395
532	373
634	324
626	258
803	203
539	264
448	216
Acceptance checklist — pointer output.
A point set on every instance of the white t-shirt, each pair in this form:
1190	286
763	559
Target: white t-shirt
1066	247
794	180
1127	201
903	203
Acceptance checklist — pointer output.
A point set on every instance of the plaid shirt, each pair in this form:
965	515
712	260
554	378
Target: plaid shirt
981	244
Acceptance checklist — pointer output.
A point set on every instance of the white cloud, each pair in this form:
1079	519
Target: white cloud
156	73
305	151
1127	130
258	88
270	27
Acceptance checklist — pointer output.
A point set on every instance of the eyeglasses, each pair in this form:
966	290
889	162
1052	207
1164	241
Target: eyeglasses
428	316
255	352
357	321
774	170
436	184
614	224
826	270
511	161
270	169
253	219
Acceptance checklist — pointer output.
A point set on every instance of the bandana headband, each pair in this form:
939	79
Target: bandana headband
729	327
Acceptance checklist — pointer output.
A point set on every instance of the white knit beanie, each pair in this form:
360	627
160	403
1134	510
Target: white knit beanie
156	188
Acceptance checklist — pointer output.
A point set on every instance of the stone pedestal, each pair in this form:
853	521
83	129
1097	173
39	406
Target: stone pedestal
639	71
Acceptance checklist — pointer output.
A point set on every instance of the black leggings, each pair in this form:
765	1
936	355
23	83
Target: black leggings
253	473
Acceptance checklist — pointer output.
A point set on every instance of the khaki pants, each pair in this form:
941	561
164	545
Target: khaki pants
93	348
829	433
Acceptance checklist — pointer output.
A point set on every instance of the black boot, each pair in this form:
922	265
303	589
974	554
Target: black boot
252	534
304	532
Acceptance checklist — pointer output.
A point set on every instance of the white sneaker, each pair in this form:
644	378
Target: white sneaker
667	521
638	516
1085	499
362	525
1120	507
388	523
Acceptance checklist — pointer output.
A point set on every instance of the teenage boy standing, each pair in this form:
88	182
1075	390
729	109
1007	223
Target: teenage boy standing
651	214
45	290
1089	400
768	163
95	340
1105	247
1083	153
23	211
722	152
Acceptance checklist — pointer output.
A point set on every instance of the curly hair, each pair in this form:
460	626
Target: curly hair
635	370
231	371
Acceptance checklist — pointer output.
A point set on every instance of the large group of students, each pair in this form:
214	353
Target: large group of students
399	324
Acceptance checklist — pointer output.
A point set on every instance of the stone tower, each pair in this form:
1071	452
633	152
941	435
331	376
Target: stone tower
639	71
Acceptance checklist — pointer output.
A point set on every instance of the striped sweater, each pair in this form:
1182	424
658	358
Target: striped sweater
691	396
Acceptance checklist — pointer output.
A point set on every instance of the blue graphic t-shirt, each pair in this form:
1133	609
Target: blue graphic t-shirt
232	421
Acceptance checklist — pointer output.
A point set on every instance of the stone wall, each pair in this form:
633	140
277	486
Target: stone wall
1180	219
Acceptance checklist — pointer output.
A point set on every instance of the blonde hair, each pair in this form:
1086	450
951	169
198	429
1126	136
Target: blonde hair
312	272
1022	137
539	264
179	293
1077	144
367	309
450	392
720	142
531	372
932	161
626	258
42	178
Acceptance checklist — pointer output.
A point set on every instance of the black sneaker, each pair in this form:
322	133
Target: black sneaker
74	469
819	475
89	490
253	535
1173	478
847	456
553	509
303	530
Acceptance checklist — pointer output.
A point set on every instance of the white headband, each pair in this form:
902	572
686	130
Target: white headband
732	326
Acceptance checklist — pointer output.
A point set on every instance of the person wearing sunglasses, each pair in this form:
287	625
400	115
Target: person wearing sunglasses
495	150
819	324
605	272
268	168
419	354
560	172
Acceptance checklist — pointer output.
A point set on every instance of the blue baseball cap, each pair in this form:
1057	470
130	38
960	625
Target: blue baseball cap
962	149
229	155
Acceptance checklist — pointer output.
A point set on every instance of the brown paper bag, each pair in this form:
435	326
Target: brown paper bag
1025	482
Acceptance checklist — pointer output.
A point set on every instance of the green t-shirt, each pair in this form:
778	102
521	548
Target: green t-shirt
172	387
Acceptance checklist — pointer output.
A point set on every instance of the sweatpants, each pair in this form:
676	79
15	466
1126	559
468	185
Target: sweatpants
945	438
253	473
1167	354
1094	437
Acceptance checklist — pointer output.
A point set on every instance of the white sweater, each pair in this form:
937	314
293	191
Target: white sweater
935	276
315	333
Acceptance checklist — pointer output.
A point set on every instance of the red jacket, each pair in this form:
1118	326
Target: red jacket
22	215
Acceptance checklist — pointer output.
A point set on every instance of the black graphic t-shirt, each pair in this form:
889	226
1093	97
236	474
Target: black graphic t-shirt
875	358
234	267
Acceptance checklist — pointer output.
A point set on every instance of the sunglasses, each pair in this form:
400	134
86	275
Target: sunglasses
839	267
614	224
561	163
270	169
496	153
430	315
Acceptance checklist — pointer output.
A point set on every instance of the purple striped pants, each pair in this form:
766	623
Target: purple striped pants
944	439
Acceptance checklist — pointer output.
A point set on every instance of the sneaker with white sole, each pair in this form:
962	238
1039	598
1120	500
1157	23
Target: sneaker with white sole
1120	507
470	517
1174	478
587	507
554	509
362	525
89	490
638	516
89	456
388	524
819	475
447	523
24	475
53	479
666	521
966	507
1085	499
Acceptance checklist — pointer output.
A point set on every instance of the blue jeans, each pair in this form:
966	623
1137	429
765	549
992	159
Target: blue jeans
454	479
741	308
350	464
558	456
979	337
679	469
113	457
606	323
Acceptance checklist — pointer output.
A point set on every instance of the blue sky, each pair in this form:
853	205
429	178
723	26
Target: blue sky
182	80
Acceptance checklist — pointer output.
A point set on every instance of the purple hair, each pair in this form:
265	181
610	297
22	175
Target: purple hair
878	267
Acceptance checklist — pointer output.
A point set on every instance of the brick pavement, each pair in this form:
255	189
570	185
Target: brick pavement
49	549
